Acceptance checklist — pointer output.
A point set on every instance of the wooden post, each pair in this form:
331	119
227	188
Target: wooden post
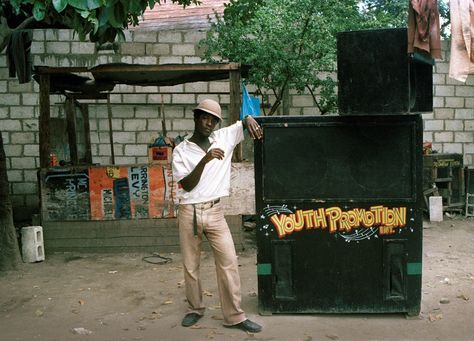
44	107
71	130
111	133
87	131
234	107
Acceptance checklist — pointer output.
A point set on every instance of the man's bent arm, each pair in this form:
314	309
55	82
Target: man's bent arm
192	179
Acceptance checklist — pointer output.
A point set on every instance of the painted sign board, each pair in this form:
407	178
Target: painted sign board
108	192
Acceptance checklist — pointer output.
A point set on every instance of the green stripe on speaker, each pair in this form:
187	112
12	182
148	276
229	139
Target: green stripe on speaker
414	268
264	269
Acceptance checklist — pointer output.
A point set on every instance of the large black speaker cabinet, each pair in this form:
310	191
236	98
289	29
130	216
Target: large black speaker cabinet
339	214
376	74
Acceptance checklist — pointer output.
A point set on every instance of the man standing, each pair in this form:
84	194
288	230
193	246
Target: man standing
201	165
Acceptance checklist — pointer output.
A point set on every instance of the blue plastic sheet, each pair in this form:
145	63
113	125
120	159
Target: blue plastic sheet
250	104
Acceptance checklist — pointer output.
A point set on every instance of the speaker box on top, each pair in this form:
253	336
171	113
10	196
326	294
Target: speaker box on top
377	75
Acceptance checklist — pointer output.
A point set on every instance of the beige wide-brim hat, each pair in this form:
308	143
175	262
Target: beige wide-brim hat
210	106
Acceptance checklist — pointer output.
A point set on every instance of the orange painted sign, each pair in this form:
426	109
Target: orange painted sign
143	191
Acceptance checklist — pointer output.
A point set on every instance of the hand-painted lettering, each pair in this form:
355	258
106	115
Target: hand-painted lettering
387	220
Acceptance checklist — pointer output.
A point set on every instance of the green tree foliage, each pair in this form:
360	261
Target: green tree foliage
101	20
291	44
285	42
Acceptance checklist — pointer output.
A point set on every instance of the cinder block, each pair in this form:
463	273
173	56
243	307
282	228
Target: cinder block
124	137
144	36
147	60
427	135
441	68
147	137
219	87
427	116
169	37
134	125
158	49
439	79
464	136
133	49
183	50
192	60
434	125
22	138
436	208
32	244
13	149
183	125
57	47
134	98
10	99
454	148
156	125
200	87
469	125
31	150
24	188
172	89
170	60
4	112
467	114
454	102
102	160
30	125
469	102
454	125
30	99
38	34
15	175
82	48
465	91
14	86
444	113
136	150
445	136
438	102
184	98
66	34
444	90
194	36
125	160
10	125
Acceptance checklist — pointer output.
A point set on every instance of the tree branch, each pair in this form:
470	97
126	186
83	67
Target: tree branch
315	100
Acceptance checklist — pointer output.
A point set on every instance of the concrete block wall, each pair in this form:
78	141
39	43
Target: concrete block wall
136	110
450	127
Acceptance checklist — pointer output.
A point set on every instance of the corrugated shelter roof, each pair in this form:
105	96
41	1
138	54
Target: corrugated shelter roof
94	80
170	16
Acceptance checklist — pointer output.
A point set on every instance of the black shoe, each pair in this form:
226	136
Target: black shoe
190	319
247	326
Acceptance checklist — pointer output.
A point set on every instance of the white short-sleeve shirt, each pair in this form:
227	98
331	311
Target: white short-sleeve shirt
215	178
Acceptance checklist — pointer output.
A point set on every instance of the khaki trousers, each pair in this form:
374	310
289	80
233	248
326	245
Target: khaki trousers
210	222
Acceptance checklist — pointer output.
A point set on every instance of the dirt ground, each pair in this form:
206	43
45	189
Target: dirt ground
122	297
